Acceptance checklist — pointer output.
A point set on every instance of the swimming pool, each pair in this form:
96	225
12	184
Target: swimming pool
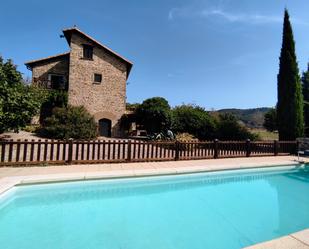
221	210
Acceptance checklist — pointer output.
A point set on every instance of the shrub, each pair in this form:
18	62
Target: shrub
69	122
55	98
230	129
185	137
154	114
31	128
194	120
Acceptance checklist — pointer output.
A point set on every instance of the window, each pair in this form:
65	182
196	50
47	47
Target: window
87	52
97	78
56	81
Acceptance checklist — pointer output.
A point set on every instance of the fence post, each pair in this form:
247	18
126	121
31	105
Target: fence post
275	147
70	155
129	151
176	150
3	144
216	148
297	147
248	148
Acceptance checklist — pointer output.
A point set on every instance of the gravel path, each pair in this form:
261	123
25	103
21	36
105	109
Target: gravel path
22	135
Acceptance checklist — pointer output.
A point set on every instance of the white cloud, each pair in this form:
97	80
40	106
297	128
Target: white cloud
180	12
248	18
171	13
230	17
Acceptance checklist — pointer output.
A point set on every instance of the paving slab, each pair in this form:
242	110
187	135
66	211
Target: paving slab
287	242
299	240
302	236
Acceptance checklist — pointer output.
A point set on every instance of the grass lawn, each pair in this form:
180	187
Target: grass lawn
265	135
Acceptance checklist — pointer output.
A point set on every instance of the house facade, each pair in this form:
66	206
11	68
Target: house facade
94	76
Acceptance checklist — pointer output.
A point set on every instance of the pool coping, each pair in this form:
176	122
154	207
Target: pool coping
9	182
298	240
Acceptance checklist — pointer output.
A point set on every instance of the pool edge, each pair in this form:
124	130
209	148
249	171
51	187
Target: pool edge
292	241
8	183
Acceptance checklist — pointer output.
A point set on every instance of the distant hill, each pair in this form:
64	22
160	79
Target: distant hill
252	118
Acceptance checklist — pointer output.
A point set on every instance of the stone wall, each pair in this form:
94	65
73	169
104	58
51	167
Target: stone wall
58	65
104	100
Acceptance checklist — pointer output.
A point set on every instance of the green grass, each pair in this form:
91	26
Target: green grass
265	135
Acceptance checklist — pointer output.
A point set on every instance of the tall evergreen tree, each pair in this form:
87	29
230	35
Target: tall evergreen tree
305	80
290	98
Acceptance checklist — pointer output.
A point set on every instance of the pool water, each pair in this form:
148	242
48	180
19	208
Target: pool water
225	210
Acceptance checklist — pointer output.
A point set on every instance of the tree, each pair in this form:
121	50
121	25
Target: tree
305	81
69	122
270	120
18	102
154	114
132	107
230	129
194	120
290	99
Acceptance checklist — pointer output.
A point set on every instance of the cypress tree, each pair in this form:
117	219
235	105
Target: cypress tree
305	81
290	98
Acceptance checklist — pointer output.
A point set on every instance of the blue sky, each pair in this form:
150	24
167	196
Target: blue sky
214	53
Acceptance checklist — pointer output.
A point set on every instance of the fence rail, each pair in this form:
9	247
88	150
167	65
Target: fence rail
101	151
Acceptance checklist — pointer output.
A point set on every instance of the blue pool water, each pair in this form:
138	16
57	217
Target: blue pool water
227	210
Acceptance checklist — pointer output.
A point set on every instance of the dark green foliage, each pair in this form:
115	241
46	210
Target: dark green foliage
18	102
253	118
69	122
55	98
194	120
270	120
290	99
305	81
230	129
154	114
126	121
132	107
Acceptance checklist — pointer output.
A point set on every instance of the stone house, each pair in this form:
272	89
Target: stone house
94	76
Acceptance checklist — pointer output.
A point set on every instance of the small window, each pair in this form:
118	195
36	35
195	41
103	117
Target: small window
88	52
56	81
97	78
